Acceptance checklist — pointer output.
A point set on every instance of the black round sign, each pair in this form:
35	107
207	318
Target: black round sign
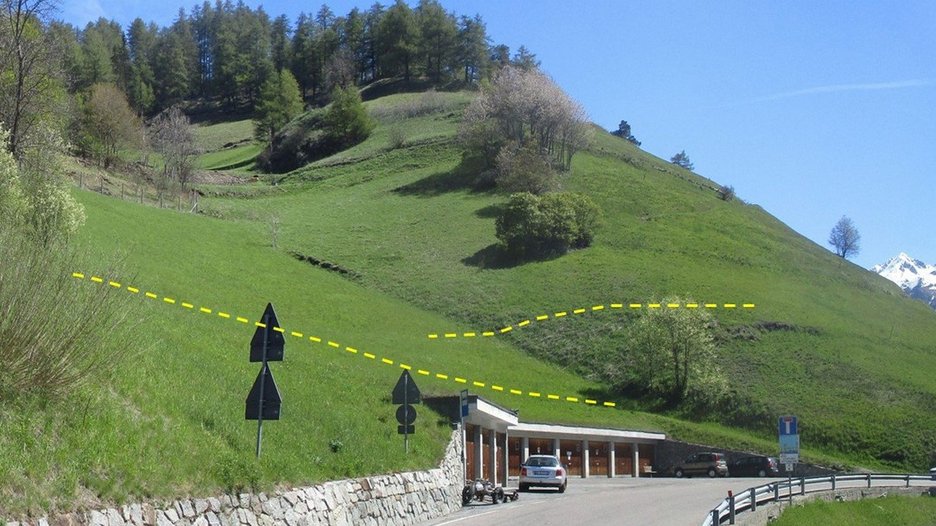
406	414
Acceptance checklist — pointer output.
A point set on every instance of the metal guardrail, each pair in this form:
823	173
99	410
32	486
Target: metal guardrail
751	498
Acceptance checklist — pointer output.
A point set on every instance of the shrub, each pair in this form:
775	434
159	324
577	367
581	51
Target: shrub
396	138
55	333
726	193
523	169
531	226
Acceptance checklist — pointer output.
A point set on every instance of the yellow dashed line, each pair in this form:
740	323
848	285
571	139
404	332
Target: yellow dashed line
635	305
424	372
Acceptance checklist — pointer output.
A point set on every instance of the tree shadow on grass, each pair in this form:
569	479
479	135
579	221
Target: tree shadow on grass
494	256
436	184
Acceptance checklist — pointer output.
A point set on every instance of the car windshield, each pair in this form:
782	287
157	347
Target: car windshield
541	462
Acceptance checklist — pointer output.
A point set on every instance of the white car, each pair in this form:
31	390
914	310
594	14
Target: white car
543	470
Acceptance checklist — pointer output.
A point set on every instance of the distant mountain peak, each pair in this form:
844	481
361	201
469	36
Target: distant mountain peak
915	277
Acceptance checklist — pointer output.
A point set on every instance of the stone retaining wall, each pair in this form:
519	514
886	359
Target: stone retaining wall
397	499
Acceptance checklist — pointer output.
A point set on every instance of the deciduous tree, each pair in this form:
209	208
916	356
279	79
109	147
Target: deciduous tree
109	123
672	355
845	238
174	139
681	159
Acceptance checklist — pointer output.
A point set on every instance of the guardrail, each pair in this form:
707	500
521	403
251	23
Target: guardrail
749	499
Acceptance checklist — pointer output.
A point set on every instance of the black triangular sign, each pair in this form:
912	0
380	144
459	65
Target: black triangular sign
271	398
275	339
406	388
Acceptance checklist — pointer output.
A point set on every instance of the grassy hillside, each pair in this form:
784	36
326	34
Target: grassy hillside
829	341
844	350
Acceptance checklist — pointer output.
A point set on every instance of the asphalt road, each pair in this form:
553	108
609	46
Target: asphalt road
624	501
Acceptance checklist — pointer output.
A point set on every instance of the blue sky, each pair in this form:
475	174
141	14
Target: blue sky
812	110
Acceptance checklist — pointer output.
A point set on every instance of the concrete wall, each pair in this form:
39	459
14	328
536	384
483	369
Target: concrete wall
397	499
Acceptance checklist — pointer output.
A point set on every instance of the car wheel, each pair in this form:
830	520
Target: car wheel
524	487
467	494
762	473
679	473
497	496
711	472
562	487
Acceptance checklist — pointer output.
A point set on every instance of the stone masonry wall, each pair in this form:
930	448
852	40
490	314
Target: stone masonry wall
396	499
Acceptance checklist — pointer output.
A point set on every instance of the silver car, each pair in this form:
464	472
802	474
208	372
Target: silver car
543	470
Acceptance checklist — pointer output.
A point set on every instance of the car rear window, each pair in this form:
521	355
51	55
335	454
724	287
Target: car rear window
542	462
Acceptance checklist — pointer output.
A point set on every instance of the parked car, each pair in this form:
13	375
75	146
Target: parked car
754	466
543	470
711	464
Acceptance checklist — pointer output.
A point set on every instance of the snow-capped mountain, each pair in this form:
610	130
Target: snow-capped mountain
916	278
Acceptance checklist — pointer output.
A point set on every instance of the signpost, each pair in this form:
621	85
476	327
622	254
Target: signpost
405	392
264	399
788	430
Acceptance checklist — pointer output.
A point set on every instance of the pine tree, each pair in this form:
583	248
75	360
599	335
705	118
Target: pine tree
279	102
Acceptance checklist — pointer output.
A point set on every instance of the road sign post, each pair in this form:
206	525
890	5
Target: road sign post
788	432
405	392
264	400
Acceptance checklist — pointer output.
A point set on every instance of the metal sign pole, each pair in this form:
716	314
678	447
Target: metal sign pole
263	370
406	413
